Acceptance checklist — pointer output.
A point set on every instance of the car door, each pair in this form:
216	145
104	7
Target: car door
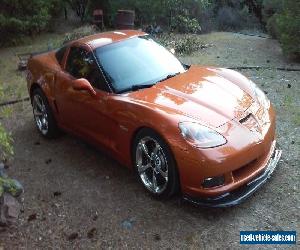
84	114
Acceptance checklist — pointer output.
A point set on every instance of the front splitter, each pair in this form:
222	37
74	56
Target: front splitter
238	196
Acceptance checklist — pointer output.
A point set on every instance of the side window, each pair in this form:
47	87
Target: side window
60	54
81	64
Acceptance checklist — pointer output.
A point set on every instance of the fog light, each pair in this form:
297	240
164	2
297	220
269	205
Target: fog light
213	181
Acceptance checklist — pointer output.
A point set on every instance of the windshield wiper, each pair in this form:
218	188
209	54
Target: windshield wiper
137	87
141	86
169	76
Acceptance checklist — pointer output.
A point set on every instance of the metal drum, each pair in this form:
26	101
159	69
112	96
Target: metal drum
125	19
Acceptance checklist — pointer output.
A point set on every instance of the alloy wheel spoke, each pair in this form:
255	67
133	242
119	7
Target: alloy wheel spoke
155	150
163	174
44	124
38	103
152	165
143	168
145	150
40	113
37	113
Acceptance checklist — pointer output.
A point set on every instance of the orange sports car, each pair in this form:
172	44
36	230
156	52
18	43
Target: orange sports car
206	132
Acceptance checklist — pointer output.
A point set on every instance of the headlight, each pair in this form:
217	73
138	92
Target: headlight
201	136
260	95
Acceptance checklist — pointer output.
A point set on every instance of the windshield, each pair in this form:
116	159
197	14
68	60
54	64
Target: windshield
135	62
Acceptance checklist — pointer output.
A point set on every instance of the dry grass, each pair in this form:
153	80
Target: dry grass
12	81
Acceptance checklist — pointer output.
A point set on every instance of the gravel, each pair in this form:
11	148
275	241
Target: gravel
77	197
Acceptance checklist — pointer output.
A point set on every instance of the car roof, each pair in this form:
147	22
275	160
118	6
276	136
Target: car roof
101	39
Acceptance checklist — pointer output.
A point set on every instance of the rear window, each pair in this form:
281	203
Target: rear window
60	54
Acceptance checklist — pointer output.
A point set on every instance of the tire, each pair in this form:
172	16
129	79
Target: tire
43	116
154	164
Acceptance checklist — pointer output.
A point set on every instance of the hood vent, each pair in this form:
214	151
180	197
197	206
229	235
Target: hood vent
243	120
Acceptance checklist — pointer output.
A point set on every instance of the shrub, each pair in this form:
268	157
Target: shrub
272	26
80	32
6	148
19	18
186	45
288	23
283	22
184	24
270	7
269	10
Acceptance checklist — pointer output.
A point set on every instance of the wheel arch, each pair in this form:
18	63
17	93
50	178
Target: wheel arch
33	87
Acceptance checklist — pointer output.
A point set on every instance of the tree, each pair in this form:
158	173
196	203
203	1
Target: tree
22	17
80	7
288	23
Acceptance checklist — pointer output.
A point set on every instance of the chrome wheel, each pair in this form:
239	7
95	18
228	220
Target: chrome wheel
152	165
40	114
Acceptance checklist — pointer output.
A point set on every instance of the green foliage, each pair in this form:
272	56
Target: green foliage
10	186
184	24
288	23
6	147
22	17
269	10
163	12
272	26
186	45
270	7
282	22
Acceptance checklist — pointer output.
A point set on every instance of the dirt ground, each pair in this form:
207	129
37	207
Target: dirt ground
77	197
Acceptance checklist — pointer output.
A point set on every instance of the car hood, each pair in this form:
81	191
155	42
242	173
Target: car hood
213	96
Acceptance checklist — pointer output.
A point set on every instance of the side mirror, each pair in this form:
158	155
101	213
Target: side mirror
83	84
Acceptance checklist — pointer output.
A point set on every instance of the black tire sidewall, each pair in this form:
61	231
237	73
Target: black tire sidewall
173	177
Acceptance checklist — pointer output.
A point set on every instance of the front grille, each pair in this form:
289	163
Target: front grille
244	171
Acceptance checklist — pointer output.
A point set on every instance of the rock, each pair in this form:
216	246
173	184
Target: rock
127	224
9	209
32	217
95	217
48	161
2	170
157	237
91	234
73	236
57	193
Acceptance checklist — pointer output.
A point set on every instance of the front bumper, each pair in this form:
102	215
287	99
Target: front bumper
237	196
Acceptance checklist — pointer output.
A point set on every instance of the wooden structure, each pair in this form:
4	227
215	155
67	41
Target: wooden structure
98	18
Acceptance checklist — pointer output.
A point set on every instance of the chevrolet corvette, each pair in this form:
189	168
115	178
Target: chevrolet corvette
205	132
